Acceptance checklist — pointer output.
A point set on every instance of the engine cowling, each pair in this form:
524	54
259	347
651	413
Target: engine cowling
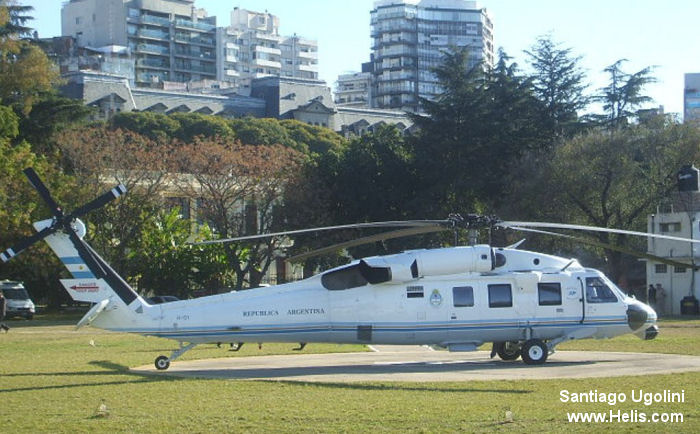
414	264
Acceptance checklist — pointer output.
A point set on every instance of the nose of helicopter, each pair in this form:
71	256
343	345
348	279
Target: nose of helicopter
639	315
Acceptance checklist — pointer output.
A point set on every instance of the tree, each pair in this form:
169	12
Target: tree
558	81
473	133
311	139
615	178
239	188
100	158
50	115
13	19
166	263
623	94
25	71
197	124
20	206
155	126
371	179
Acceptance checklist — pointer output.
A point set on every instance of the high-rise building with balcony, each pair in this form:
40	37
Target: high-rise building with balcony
409	37
251	47
354	89
169	40
691	98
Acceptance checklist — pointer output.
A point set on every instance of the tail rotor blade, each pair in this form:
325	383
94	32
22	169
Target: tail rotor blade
25	243
43	191
101	201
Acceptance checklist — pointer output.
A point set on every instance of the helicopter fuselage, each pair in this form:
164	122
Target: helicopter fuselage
556	299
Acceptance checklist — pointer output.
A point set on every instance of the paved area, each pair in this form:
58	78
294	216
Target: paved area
421	364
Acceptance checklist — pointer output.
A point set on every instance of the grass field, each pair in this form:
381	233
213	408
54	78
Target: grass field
54	379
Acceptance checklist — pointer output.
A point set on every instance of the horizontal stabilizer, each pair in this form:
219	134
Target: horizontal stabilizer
92	313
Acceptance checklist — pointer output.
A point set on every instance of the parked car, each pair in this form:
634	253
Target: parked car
158	299
17	299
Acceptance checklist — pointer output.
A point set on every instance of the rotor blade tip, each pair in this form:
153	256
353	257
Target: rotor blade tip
7	255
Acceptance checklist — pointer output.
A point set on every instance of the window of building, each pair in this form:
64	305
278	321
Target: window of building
181	204
549	294
679	269
669	227
660	268
463	296
500	295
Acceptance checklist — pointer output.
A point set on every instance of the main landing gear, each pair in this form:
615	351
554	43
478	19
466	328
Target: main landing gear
162	362
532	351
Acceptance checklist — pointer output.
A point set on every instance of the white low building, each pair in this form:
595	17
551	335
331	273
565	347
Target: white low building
681	219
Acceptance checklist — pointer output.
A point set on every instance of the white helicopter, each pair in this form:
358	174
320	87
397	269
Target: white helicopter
525	303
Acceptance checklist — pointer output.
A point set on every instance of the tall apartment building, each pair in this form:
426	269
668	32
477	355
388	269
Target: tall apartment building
251	47
409	37
174	41
169	40
691	98
354	89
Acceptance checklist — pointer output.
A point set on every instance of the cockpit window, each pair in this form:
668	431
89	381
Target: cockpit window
344	278
597	291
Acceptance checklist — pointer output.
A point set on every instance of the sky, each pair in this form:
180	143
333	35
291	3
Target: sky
656	33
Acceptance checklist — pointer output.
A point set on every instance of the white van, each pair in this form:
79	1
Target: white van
17	301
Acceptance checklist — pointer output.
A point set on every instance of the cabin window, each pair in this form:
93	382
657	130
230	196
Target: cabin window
414	292
344	278
500	295
598	292
549	294
463	296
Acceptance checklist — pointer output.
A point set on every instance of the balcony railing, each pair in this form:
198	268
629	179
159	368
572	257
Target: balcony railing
196	68
154	34
150	19
152	48
192	25
194	40
152	63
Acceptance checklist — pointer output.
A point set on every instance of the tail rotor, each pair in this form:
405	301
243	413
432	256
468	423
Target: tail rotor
62	222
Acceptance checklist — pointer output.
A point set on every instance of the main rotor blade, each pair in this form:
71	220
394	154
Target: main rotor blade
99	202
366	240
590	228
43	192
631	252
387	224
25	243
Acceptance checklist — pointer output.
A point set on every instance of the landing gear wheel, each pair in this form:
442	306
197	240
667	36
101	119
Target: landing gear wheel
508	350
162	363
534	352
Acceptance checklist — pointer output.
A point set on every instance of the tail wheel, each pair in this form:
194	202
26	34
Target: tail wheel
162	363
508	350
534	352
